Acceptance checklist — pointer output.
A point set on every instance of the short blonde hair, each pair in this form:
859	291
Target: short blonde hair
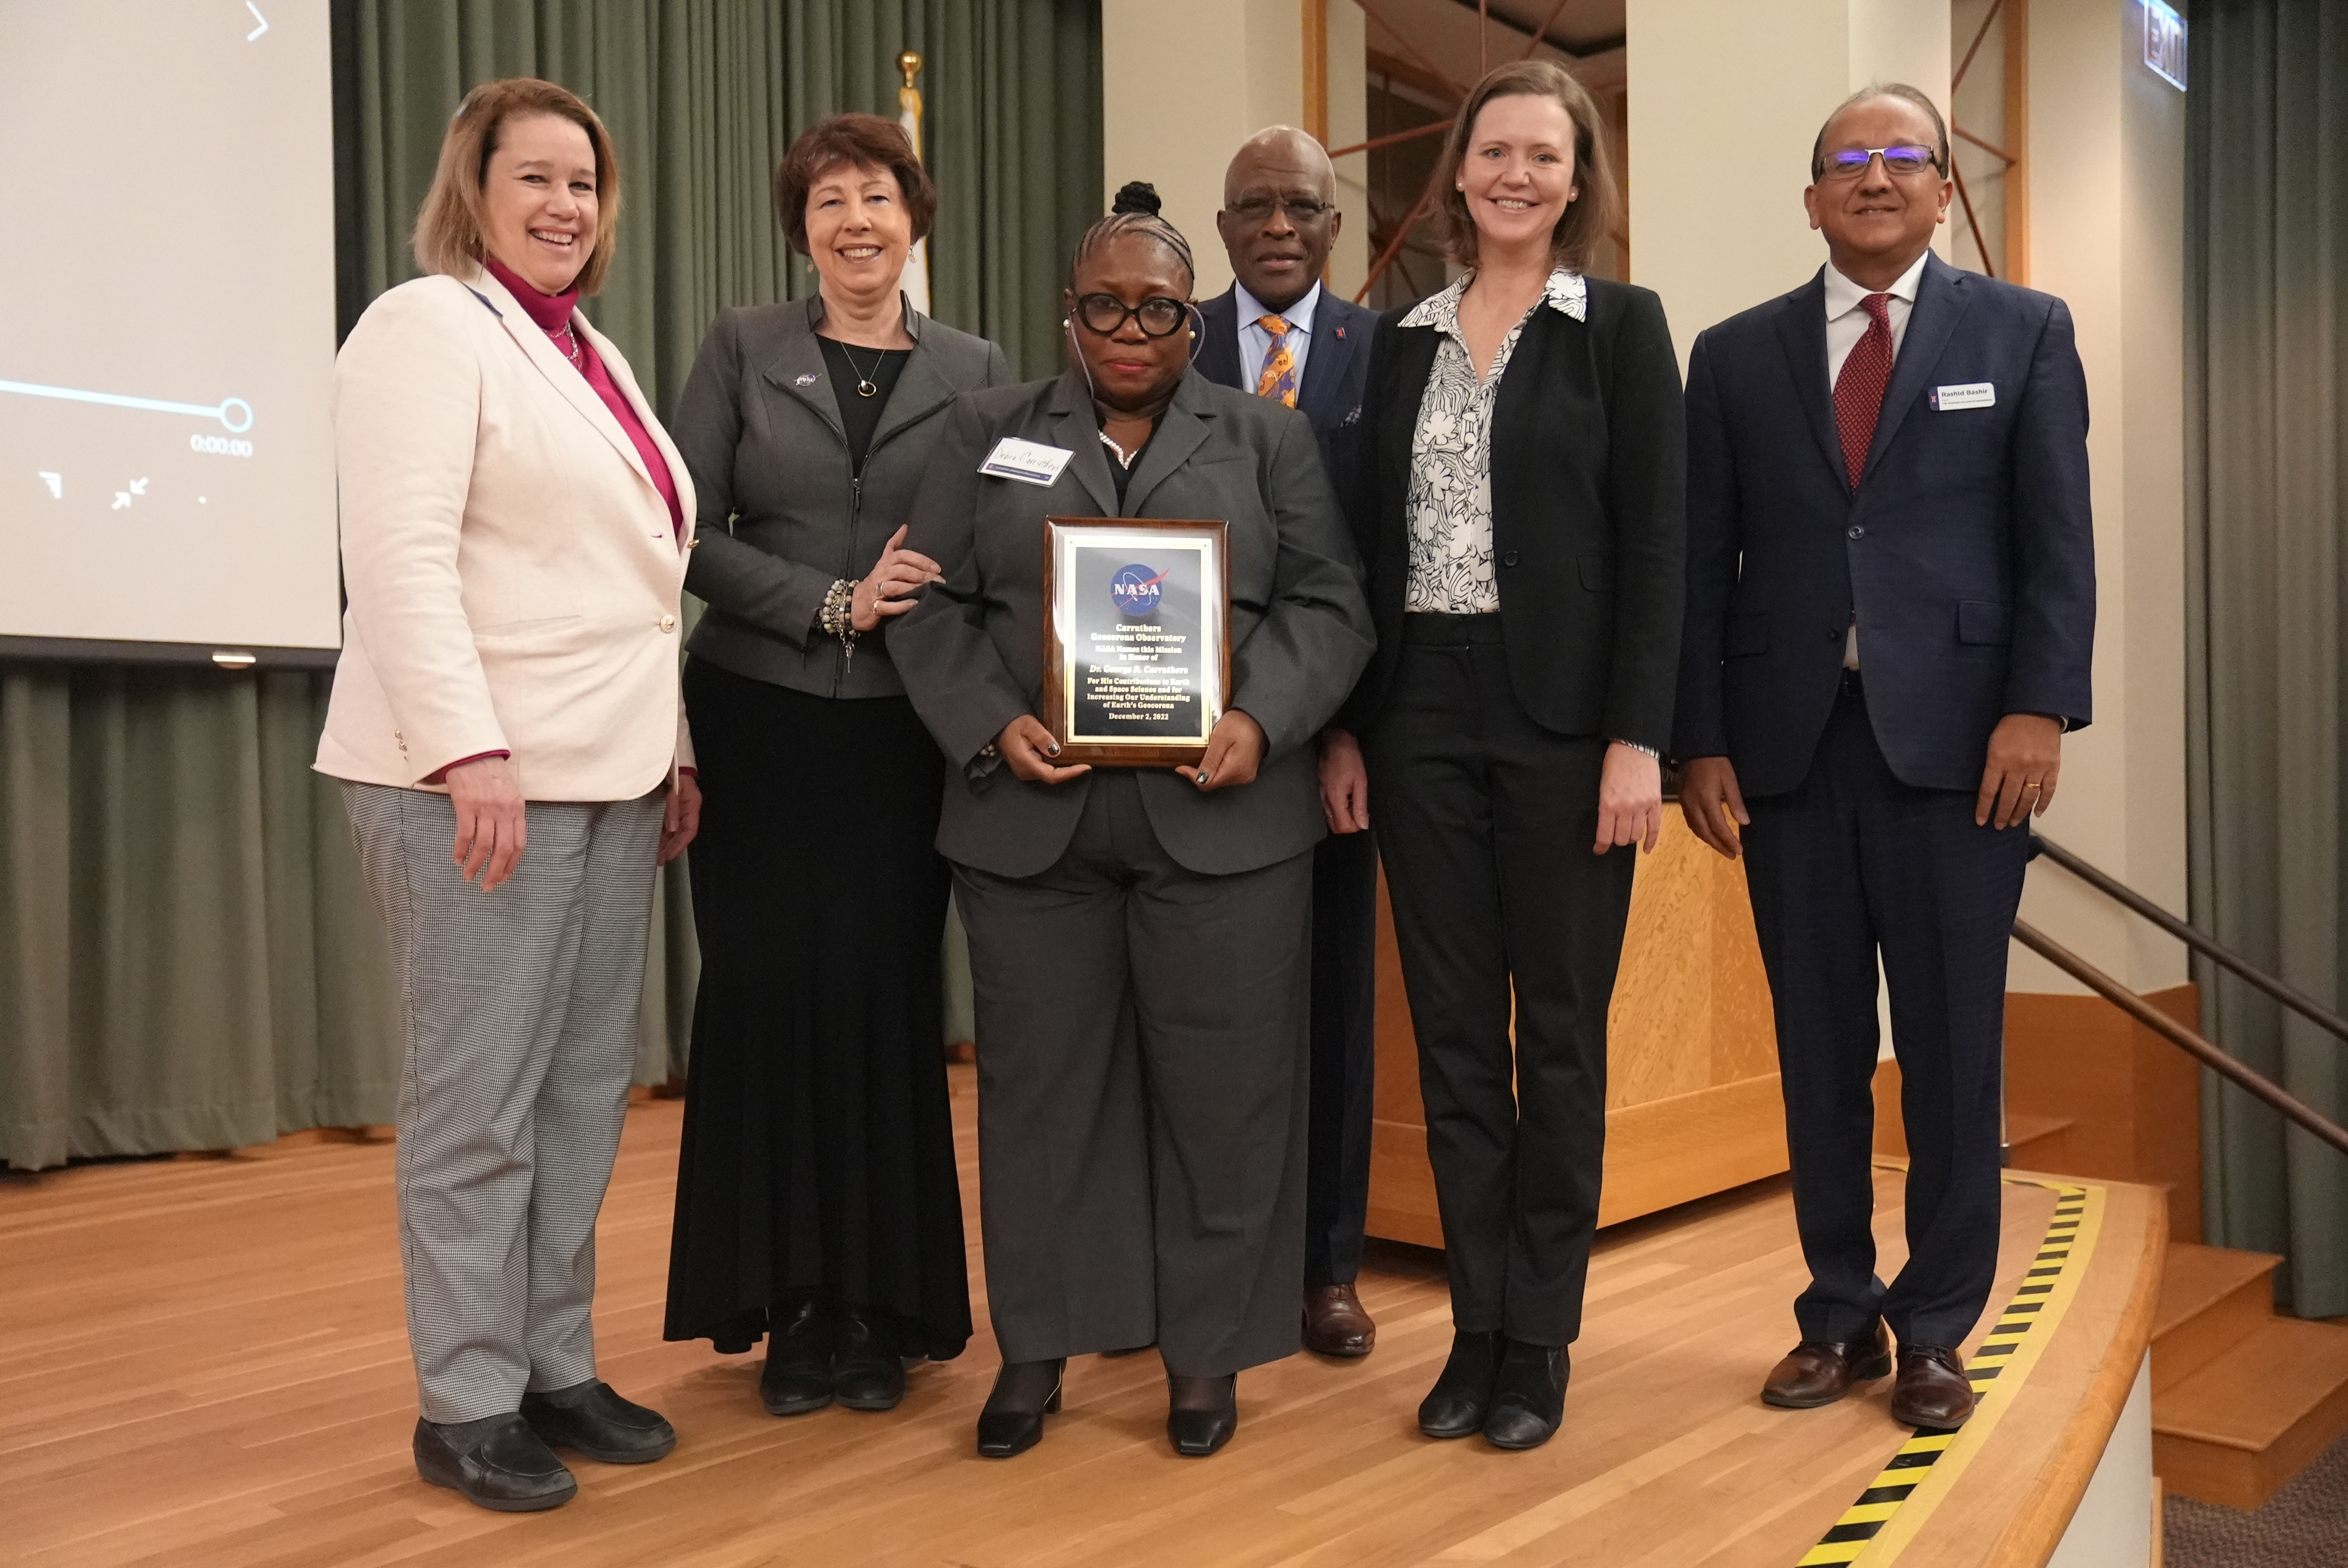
448	228
1589	217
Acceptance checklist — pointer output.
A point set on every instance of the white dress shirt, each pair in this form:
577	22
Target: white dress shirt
1846	325
1255	343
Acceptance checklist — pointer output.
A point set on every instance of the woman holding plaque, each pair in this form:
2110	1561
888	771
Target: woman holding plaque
817	1199
1523	446
1138	933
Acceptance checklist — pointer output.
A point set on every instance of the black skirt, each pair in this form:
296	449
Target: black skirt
819	1146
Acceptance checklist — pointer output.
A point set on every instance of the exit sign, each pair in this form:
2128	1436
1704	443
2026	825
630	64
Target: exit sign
2164	43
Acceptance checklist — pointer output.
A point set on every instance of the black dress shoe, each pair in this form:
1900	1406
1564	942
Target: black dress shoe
590	1419
798	1375
1024	1393
1527	1397
1455	1406
496	1462
866	1373
1201	1413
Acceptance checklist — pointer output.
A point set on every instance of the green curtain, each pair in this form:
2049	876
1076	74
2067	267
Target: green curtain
2268	580
186	959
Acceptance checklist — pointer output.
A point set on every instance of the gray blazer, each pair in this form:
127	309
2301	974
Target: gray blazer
972	653
781	517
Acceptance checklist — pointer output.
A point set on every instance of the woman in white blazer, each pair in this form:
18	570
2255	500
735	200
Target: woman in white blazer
507	720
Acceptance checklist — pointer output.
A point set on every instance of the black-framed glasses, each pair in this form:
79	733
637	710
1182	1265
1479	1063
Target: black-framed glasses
1300	208
1852	161
1160	315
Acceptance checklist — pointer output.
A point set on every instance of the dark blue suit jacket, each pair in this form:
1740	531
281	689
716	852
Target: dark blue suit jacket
1966	551
1334	371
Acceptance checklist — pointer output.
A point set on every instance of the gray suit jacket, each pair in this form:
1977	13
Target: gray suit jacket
781	517
972	653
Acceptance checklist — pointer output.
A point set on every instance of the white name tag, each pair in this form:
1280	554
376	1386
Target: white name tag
1029	462
1972	395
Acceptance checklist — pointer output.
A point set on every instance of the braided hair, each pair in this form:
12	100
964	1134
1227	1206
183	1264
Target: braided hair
1135	211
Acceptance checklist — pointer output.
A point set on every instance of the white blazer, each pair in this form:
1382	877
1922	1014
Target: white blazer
512	574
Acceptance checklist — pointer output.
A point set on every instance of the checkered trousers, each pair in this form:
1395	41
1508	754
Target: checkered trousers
518	1011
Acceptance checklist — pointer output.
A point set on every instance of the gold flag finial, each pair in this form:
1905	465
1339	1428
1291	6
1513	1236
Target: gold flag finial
910	63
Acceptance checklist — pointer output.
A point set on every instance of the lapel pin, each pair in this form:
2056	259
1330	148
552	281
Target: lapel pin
1341	332
806	379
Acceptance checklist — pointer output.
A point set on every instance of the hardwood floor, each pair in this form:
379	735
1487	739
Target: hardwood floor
202	1362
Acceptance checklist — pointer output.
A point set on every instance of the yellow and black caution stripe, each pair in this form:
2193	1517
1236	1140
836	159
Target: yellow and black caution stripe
1901	1498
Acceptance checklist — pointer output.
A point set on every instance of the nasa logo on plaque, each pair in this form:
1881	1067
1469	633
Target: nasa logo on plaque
1136	647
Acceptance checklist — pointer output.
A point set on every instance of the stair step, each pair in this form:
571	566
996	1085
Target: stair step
2211	1298
2251	1417
2031	1141
2203	1283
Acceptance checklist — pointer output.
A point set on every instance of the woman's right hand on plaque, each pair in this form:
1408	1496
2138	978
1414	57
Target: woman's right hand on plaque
1028	747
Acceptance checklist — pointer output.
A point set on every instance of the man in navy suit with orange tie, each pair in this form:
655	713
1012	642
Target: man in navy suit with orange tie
1277	333
1890	612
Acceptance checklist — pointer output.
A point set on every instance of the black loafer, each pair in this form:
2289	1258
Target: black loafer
496	1462
866	1371
798	1374
590	1419
1006	1429
1198	1430
1527	1397
1456	1405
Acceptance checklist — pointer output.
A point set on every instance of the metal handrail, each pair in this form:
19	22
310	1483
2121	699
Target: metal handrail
2253	1082
2299	1002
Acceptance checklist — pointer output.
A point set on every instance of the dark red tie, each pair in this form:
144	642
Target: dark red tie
1859	390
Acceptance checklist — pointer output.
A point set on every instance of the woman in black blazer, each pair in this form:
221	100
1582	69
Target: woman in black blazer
1523	446
817	1198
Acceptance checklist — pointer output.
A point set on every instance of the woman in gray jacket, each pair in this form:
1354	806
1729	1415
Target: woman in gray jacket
817	1199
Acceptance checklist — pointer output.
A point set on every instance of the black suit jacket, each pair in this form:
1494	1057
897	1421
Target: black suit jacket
1334	373
972	651
1589	477
1967	551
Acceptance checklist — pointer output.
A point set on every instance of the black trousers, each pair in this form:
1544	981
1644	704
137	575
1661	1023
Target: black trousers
1344	1055
1850	862
1485	821
1141	1097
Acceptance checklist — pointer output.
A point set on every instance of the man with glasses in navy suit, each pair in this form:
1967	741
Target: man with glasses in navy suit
1892	607
1279	332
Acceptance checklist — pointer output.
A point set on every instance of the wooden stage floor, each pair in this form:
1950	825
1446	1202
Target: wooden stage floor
202	1362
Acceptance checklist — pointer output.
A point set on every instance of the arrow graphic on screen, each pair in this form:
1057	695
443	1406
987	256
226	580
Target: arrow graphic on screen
234	413
257	17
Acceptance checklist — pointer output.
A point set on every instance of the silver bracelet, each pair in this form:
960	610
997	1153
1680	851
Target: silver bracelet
1643	751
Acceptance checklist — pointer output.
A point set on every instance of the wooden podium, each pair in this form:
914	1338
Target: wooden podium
1692	1102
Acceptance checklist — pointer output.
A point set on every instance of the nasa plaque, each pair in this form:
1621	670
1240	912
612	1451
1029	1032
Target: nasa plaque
1137	651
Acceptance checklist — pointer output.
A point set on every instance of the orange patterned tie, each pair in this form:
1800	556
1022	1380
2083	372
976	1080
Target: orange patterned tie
1279	377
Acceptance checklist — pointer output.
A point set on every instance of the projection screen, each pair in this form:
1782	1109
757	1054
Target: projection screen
167	329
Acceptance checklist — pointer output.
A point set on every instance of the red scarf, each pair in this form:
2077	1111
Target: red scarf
554	314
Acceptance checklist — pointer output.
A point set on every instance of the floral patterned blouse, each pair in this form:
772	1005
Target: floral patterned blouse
1450	509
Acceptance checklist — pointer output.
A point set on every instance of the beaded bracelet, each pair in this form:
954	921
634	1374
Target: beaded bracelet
839	617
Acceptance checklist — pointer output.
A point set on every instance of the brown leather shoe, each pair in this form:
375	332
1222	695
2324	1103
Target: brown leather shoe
1334	1322
1933	1391
1821	1371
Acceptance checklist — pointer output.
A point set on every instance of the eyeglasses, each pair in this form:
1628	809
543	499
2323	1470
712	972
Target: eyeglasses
1852	161
1300	208
1159	315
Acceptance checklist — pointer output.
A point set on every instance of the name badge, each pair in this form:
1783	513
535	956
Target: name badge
1972	395
1029	462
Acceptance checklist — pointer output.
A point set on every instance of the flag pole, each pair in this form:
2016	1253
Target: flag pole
916	278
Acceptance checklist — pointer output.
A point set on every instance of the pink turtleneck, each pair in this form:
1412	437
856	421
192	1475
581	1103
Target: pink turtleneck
551	313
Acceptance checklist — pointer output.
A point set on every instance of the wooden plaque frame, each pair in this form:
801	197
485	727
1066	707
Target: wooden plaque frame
1210	538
